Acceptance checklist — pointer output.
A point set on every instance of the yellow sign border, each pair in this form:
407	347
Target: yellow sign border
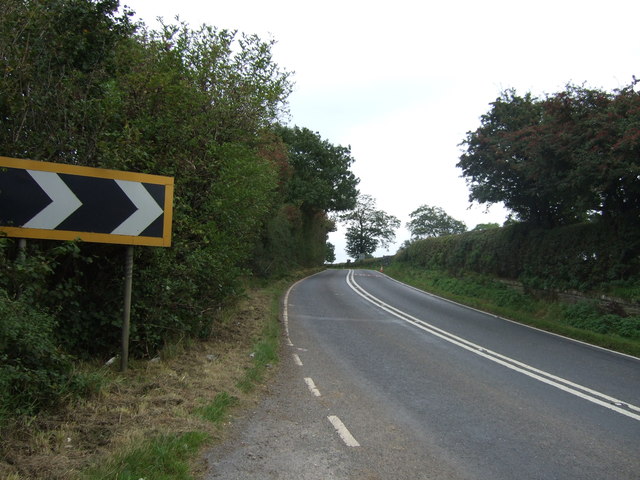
168	182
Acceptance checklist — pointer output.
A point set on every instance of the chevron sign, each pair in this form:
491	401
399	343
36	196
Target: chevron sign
66	202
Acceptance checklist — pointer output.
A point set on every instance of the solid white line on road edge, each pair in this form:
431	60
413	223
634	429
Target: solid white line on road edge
297	360
285	315
344	433
285	309
312	387
540	375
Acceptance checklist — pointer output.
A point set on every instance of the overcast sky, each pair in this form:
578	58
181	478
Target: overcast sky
402	82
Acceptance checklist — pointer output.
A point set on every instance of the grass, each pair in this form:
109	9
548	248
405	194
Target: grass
153	421
581	321
217	410
165	457
265	353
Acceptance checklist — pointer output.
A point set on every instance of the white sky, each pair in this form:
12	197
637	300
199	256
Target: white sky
403	82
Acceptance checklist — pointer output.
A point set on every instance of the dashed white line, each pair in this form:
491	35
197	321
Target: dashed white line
312	387
297	360
344	433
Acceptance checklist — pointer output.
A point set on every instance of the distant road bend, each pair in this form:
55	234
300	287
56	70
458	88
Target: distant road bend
414	386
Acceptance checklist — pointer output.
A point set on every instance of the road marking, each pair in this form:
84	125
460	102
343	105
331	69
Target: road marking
297	360
285	315
453	302
585	393
344	433
312	386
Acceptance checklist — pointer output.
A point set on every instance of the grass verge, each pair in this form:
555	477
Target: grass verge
495	297
165	457
154	420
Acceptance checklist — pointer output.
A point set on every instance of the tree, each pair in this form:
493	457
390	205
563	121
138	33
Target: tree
429	221
330	255
321	179
314	179
368	228
560	159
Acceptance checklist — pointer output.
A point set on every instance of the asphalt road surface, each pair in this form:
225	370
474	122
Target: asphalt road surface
382	381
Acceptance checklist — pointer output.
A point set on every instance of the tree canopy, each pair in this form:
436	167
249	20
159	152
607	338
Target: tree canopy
559	159
427	221
368	228
321	179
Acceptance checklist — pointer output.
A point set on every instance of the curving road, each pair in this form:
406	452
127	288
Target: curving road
382	381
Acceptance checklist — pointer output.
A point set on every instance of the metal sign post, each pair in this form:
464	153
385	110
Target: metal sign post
126	315
56	201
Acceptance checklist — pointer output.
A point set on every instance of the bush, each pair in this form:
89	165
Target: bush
34	373
582	256
587	316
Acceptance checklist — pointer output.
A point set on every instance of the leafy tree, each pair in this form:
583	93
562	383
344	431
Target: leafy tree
314	179
368	228
611	159
559	159
331	253
321	179
429	221
495	162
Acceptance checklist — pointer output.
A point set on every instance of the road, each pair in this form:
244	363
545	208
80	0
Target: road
382	381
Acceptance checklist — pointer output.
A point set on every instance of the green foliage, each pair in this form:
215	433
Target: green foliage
34	372
330	255
164	457
588	316
187	103
429	221
368	228
54	59
560	159
321	179
582	256
314	179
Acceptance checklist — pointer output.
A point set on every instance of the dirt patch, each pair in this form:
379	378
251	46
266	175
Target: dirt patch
153	397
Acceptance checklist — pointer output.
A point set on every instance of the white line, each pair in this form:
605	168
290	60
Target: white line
285	309
453	302
344	433
575	389
285	315
312	386
297	360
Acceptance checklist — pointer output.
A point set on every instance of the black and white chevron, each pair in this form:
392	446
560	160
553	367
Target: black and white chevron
60	201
